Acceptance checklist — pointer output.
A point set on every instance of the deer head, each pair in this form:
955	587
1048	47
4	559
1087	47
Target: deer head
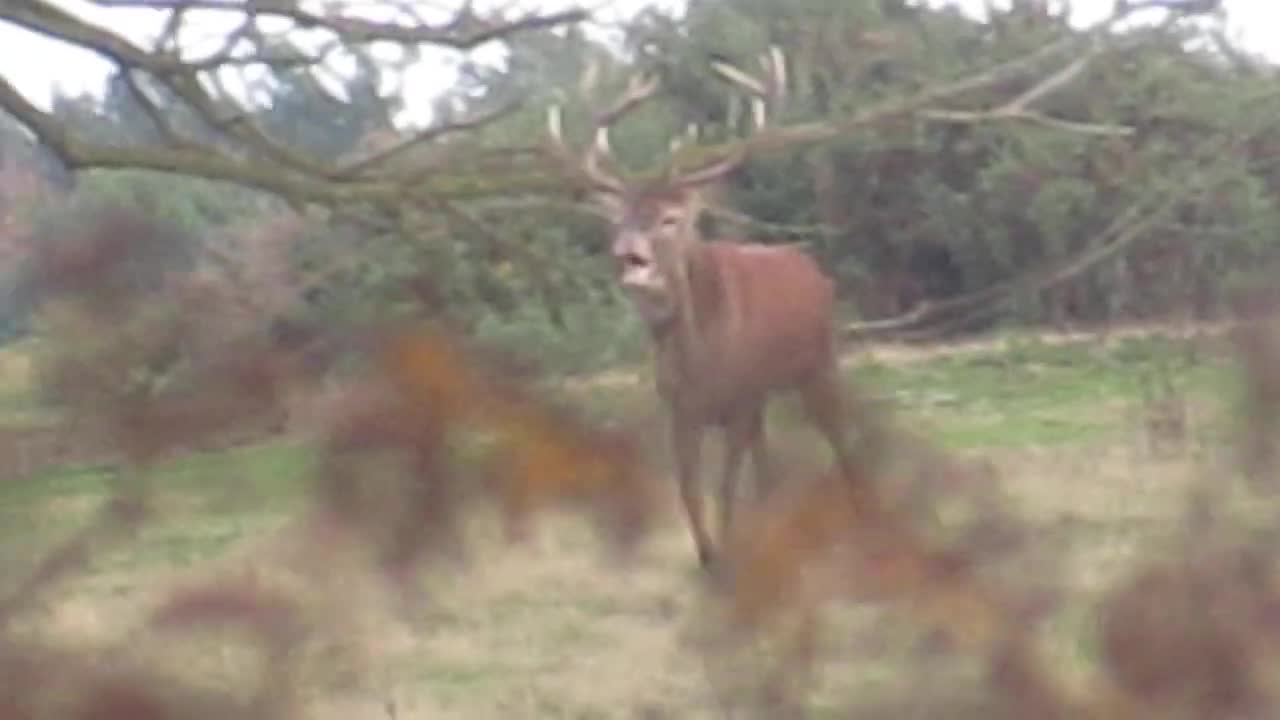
654	223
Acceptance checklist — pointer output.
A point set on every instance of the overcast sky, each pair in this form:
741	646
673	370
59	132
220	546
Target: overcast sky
36	64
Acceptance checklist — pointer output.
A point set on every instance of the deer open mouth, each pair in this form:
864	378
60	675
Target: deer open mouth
635	268
635	261
638	275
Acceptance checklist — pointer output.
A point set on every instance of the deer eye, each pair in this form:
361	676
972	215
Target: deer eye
669	221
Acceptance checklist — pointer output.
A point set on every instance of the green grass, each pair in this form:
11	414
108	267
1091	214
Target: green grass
267	473
209	502
1037	395
547	631
1034	395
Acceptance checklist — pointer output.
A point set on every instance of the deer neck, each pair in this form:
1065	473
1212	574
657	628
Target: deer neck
685	343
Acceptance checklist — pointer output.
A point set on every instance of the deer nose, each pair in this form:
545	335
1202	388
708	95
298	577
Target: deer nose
625	243
627	251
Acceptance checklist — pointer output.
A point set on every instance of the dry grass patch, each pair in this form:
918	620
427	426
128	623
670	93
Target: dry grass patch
549	629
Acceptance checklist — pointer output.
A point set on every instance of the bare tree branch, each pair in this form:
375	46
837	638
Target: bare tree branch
181	79
429	135
922	104
464	31
1019	107
924	321
153	113
1030	116
243	152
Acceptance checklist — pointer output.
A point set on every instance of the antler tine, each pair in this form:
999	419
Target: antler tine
591	166
775	64
594	175
639	89
766	93
677	142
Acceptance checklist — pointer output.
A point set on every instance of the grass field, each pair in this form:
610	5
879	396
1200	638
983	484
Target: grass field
548	630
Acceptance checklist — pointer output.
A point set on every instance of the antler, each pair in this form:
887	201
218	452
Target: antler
768	93
590	168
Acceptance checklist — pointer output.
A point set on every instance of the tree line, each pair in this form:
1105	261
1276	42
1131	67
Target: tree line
1142	186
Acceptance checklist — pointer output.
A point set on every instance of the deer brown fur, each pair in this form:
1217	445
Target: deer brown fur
732	322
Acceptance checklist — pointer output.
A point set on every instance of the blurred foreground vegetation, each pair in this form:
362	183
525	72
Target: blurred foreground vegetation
304	442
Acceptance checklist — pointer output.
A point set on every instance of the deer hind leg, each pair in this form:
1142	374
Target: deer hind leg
824	400
686	439
741	433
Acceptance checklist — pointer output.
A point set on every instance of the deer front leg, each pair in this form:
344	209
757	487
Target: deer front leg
686	440
739	432
761	461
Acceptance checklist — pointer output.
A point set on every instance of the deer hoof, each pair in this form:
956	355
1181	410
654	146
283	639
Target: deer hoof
706	558
717	570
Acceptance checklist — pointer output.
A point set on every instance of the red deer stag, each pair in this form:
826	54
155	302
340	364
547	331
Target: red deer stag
731	321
